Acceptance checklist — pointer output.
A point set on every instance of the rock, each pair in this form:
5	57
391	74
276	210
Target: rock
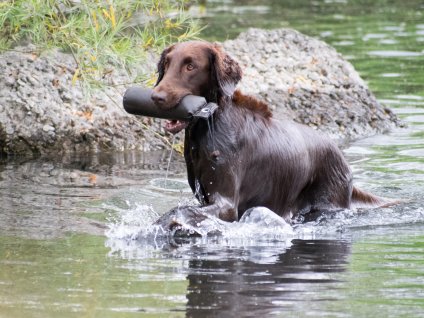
313	84
43	112
48	128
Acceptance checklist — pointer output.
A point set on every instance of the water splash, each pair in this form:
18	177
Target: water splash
137	224
259	236
131	223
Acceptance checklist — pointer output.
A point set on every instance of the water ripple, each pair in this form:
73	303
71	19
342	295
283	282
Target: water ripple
395	53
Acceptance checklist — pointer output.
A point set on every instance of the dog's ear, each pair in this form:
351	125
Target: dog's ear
161	64
224	70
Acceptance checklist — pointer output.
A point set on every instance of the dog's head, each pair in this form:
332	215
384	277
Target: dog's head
195	68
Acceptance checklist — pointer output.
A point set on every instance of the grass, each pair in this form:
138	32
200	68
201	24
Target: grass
100	34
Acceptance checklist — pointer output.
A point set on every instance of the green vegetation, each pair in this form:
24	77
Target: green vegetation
100	34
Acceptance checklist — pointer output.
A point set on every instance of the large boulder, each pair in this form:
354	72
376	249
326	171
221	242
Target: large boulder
307	80
42	110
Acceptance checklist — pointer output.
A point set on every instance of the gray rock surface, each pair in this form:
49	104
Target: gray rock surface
42	111
307	80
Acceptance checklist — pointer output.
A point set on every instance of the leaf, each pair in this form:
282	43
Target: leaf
112	16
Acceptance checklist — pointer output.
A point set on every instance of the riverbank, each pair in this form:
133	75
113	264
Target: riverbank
43	111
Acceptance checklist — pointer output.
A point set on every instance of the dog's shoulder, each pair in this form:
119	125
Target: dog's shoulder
252	103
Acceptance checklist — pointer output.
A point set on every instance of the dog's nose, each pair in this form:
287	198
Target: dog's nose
159	98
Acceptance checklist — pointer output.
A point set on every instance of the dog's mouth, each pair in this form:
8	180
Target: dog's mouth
175	126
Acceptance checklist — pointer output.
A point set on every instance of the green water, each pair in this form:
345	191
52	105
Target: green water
75	277
383	39
57	261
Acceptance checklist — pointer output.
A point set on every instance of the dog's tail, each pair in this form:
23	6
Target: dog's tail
362	199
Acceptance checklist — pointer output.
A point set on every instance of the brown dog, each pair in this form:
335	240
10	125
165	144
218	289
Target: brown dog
243	157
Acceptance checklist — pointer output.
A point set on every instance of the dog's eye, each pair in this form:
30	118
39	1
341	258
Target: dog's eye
190	67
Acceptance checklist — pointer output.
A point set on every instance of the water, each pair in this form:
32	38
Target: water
75	235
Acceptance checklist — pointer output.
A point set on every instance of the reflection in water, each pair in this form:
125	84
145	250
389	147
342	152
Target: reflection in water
250	275
47	198
234	287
